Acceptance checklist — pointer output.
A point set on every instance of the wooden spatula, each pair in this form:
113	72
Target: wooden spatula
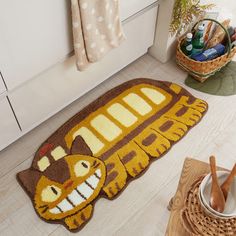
227	183
217	199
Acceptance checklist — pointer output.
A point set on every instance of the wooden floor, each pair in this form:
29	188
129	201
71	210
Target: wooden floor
141	208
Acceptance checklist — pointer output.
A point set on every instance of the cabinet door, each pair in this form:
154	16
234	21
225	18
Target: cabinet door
34	35
9	129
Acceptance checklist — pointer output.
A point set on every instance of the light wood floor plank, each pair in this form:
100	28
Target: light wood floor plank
153	217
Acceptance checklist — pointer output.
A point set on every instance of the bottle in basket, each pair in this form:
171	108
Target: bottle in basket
198	41
210	53
187	46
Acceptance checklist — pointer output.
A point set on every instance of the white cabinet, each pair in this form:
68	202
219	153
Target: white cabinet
34	43
9	129
34	36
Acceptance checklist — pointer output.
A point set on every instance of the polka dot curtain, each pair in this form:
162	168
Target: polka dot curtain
96	29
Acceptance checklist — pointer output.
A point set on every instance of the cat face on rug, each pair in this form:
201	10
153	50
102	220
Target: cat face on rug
66	186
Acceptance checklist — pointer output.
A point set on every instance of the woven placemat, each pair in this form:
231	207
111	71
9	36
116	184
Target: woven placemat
197	222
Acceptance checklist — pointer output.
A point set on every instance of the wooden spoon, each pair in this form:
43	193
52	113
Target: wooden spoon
227	183
217	199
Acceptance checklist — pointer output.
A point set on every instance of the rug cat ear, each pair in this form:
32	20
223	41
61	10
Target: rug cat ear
29	179
79	146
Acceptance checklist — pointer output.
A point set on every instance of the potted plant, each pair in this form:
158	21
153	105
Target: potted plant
184	13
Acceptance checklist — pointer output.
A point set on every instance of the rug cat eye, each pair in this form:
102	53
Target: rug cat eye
104	146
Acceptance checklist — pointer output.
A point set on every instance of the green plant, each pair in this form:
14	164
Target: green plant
184	12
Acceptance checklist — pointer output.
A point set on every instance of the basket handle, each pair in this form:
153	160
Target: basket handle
225	30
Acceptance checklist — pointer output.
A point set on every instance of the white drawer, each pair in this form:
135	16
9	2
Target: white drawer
34	36
9	129
130	7
48	93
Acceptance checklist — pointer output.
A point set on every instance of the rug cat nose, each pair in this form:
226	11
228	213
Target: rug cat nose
68	184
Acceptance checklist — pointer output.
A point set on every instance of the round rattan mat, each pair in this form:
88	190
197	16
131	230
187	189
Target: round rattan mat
197	222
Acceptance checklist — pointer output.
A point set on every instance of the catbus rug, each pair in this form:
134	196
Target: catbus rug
104	146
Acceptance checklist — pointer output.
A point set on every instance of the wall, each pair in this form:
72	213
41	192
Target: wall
226	9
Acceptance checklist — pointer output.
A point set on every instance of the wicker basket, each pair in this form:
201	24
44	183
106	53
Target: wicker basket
203	70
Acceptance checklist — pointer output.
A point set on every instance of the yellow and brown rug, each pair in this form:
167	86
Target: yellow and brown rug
104	146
